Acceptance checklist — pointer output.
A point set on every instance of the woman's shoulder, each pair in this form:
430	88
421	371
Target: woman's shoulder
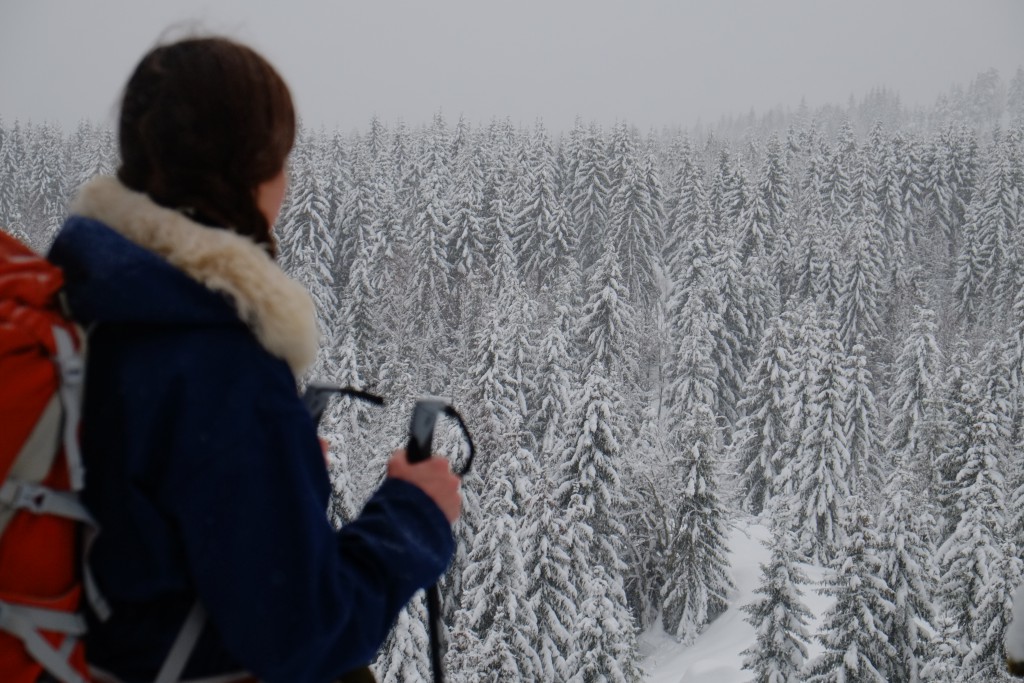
165	264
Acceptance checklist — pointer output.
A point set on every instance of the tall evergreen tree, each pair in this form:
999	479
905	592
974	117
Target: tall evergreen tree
866	467
914	402
428	242
986	660
590	487
697	579
308	246
780	618
557	372
861	298
909	568
973	550
468	248
403	657
761	430
536	221
635	230
987	246
589	196
689	210
734	343
550	587
498	610
856	646
606	644
12	153
607	326
592	471
821	464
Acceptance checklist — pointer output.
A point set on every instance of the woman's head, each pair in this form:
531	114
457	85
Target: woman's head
205	122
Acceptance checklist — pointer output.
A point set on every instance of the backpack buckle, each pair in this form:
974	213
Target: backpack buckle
21	495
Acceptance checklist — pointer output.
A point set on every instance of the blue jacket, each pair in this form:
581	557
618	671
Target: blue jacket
203	466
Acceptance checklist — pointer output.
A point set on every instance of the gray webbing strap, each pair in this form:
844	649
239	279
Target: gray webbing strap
72	375
72	380
179	654
102	676
183	646
42	500
37	454
93	594
24	623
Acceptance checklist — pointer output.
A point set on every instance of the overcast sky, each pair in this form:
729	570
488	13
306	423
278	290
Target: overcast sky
650	63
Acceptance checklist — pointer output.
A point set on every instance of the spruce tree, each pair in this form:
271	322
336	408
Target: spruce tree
819	442
588	197
780	618
607	325
987	248
635	228
12	154
909	568
854	638
309	247
687	216
816	456
915	402
467	250
837	182
536	220
590	489
986	660
734	342
774	189
428	243
405	657
591	473
756	233
494	584
606	642
551	589
697	581
49	186
867	472
556	373
863	290
978	509
761	430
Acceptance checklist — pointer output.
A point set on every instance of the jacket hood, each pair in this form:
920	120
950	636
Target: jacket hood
128	259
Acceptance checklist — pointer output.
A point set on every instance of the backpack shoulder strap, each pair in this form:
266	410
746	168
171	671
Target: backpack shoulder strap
183	645
72	379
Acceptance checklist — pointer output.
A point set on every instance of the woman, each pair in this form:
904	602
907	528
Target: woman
204	469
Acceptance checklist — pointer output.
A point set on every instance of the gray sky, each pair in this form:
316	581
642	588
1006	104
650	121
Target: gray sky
648	62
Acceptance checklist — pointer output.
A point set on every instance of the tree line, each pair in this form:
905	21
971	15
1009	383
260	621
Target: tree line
652	337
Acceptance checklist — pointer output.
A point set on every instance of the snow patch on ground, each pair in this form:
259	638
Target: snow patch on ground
715	656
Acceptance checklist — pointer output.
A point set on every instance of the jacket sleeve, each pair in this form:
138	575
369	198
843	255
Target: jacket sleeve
292	599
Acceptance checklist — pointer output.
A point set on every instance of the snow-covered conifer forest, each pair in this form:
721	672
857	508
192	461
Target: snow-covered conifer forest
812	318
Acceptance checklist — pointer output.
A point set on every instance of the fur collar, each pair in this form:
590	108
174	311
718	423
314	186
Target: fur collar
277	309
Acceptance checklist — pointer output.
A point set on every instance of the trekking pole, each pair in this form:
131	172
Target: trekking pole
316	399
421	436
318	395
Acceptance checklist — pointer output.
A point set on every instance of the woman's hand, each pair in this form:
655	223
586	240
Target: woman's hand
434	476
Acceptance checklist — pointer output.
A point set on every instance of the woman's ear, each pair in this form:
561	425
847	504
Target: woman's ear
270	196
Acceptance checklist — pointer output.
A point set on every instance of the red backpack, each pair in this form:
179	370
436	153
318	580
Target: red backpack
43	527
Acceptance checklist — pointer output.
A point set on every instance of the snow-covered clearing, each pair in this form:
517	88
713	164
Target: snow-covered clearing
715	656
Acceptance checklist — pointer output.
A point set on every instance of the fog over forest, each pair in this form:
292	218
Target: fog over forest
812	318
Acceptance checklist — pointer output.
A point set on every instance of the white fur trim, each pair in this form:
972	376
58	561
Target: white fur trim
279	310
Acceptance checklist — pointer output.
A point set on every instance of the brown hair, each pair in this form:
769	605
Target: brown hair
203	122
